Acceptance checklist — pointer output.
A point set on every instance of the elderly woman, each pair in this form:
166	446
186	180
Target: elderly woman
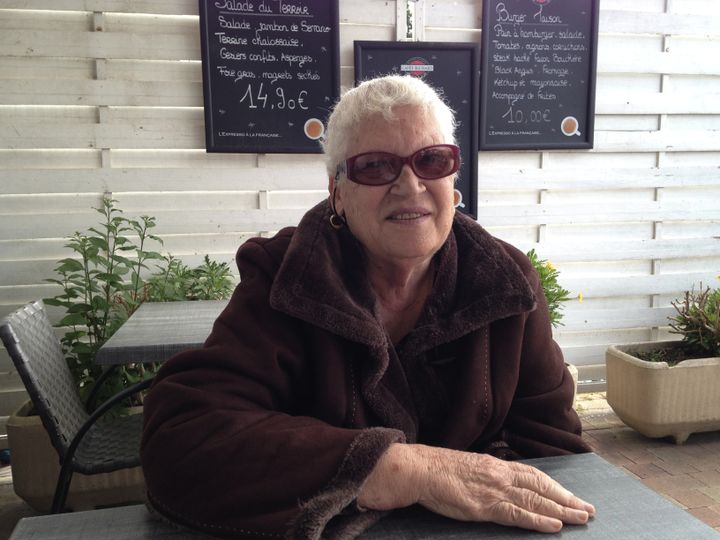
386	352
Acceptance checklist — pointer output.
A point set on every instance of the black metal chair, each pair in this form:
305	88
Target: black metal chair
83	444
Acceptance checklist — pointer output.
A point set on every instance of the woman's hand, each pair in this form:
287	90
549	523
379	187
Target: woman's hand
471	487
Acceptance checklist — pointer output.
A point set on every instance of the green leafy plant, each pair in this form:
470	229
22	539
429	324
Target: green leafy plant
176	281
698	321
109	278
555	294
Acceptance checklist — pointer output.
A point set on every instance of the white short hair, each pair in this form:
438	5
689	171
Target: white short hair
381	96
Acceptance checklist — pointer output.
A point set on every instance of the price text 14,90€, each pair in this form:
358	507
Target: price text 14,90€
259	98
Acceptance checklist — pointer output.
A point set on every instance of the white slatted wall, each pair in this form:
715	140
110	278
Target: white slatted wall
104	96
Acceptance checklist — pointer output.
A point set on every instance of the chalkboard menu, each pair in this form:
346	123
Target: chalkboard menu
450	68
270	73
539	61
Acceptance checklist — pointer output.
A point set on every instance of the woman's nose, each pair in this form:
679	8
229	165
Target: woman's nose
408	182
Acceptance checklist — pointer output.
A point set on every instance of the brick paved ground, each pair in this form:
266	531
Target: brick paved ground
687	474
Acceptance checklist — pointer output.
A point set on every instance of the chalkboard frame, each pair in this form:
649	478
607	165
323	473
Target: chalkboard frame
586	141
468	150
332	88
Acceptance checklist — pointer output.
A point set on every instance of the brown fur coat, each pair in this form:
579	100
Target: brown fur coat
272	427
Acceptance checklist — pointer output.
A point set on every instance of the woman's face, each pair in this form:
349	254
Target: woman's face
410	218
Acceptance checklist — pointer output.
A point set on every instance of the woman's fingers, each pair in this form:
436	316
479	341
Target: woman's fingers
538	504
532	479
506	513
529	510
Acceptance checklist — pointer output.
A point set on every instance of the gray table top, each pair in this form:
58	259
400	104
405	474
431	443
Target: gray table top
626	509
158	330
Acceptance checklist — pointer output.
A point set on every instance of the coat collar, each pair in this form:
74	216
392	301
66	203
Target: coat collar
321	281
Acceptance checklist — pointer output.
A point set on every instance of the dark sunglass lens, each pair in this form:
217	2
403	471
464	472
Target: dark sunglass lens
375	168
434	162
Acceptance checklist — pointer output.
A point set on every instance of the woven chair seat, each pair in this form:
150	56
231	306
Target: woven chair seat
110	445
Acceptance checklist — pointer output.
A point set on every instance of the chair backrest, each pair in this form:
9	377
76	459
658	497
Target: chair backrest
37	354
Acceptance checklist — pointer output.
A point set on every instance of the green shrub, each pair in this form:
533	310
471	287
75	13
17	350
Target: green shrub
698	321
555	294
104	283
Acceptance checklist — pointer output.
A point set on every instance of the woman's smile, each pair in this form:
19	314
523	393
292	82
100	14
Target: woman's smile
406	215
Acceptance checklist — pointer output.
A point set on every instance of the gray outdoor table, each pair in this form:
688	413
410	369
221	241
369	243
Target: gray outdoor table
158	330
626	509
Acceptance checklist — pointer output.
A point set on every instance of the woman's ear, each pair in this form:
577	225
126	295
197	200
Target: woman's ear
335	197
337	219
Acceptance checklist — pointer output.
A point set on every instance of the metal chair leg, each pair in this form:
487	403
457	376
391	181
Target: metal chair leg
62	487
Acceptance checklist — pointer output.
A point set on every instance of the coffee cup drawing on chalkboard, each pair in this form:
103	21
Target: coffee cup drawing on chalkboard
569	126
314	129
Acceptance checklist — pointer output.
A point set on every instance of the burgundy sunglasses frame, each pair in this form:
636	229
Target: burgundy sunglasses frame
347	166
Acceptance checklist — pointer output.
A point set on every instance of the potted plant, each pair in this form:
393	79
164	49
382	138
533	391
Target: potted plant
555	294
671	388
101	286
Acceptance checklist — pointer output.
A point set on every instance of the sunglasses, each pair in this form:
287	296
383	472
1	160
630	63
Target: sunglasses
380	168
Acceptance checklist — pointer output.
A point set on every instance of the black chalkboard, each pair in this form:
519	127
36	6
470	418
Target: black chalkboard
270	73
450	68
539	60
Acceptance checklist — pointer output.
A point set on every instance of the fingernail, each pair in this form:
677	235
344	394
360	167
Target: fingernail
580	515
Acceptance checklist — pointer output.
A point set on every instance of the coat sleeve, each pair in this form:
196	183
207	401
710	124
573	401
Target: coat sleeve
227	448
541	420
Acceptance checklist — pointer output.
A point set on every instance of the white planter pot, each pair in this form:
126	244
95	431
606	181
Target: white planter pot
35	467
574	374
658	400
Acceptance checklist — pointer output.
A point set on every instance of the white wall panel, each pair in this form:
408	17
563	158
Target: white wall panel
650	6
610	84
617	122
518	236
452	34
462	14
58	43
487	161
151	70
709	263
694	84
66	21
700	102
591	162
596	175
638	22
694	122
697	7
15	161
100	93
105	96
693	159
